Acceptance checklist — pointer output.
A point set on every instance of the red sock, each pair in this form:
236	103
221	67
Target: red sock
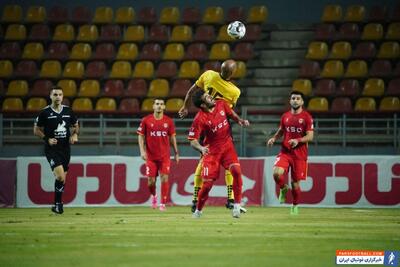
152	189
280	182
296	195
237	182
203	194
164	192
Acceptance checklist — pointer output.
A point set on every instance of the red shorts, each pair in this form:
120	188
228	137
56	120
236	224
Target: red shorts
298	168
211	162
153	167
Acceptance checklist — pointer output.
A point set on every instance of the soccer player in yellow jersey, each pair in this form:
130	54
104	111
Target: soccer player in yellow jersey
219	86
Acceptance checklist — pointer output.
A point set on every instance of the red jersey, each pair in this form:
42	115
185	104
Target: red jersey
213	125
296	126
157	133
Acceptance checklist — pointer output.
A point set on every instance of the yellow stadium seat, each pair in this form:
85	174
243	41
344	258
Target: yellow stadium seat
143	69
147	105
318	104
33	51
355	13
317	50
220	51
365	104
356	69
128	51
87	33
106	104
181	33
390	103
173	104
223	35
170	15
134	33
213	15
81	51
6	68
12	13
124	15
341	50
389	50
74	69
89	88
50	69
15	32
121	69
17	88
302	85
393	31
189	69
36	14
240	70
174	51
374	87
372	31
82	104
103	15
68	86
64	32
333	69
13	104
257	14
332	13
36	104
158	88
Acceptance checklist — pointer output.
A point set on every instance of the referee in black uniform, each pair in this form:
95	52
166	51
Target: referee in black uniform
58	126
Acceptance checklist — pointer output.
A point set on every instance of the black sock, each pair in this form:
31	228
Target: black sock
58	190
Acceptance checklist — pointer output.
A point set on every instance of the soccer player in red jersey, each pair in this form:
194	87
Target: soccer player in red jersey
212	122
296	127
156	132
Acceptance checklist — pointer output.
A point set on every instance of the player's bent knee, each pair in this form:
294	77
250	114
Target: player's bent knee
235	170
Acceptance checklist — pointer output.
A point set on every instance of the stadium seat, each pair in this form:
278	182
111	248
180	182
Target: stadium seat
147	105
389	50
341	105
257	14
110	33
173	104
15	32
58	14
325	32
87	33
81	15
64	33
244	51
191	15
127	51
121	69
393	87
36	104
393	31
166	69
355	13
318	104
189	70
180	88
181	33
302	85
372	31
41	88
143	69
374	87
235	13
356	69
89	88
82	104
364	50
348	87
103	15
11	14
241	70
317	51
134	33
158	33
196	51
389	104
365	104
58	51
81	51
6	68
341	50
106	104
253	33
325	87
26	69
220	51
69	87
10	50
212	65
309	69
74	69
381	68
36	14
151	51
17	88
204	33
129	105
33	51
333	69
377	14
213	15
124	15
113	88
349	32
332	13
96	69
39	32
104	51
158	88
223	34
136	88
147	15
169	15
174	51
12	104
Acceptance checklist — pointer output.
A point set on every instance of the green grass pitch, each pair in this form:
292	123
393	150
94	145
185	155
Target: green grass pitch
140	236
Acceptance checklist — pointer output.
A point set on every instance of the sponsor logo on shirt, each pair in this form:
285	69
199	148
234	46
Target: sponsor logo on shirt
219	125
293	129
158	133
61	131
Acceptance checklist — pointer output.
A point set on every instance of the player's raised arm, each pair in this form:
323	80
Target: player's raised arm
184	109
234	116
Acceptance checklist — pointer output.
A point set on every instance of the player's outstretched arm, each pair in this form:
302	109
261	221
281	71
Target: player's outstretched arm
239	120
196	145
184	109
276	136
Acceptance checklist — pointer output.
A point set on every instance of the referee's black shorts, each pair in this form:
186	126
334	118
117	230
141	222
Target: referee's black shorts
57	156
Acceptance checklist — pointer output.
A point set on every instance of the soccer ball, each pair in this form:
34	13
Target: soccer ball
236	30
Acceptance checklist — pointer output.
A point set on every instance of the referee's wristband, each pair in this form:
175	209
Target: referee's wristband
45	139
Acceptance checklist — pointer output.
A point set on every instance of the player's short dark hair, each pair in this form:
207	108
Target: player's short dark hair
196	98
158	98
297	93
55	87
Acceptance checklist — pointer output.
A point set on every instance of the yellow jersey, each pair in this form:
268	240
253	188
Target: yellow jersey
217	87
